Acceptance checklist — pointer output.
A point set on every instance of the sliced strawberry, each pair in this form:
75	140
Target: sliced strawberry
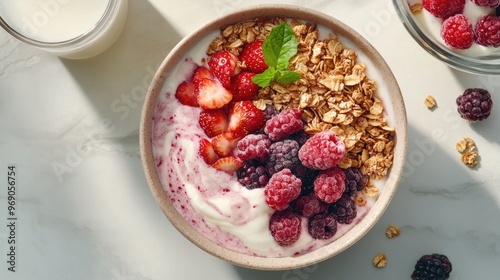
185	93
207	152
228	164
245	118
253	57
202	73
225	143
242	86
210	94
224	65
213	122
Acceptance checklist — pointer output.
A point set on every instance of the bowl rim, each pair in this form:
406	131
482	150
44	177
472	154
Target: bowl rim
454	60
278	263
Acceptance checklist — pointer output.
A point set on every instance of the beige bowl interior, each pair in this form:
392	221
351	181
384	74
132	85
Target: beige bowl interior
393	101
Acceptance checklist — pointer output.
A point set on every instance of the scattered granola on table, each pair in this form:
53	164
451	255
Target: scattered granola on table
430	102
392	231
380	260
467	147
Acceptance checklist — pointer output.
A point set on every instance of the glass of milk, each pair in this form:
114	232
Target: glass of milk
74	29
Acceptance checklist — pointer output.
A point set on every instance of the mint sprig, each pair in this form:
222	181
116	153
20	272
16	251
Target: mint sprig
278	48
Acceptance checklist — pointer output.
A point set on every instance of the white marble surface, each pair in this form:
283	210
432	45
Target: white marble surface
84	210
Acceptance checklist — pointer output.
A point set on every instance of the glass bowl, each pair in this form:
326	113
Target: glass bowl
477	61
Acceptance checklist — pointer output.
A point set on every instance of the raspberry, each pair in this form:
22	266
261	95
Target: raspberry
487	3
457	32
282	188
345	209
323	226
285	227
322	151
309	205
432	267
284	124
253	146
474	104
252	175
329	185
282	154
444	8
487	31
354	181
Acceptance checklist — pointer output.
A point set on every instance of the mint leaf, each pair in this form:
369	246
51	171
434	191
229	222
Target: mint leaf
265	78
280	46
287	76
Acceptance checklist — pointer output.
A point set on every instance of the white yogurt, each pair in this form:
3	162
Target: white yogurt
431	25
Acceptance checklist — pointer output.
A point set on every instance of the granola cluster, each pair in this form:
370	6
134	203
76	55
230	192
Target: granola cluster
333	93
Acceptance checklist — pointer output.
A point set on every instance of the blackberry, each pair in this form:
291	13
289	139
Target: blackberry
345	209
252	175
323	226
307	176
285	227
354	181
432	267
269	112
474	104
309	205
282	154
301	137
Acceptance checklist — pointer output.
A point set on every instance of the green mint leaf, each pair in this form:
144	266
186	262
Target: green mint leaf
280	46
287	77
265	78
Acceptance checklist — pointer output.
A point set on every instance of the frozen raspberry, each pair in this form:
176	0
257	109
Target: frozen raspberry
252	175
432	267
474	104
487	3
487	31
269	112
285	227
307	176
253	146
329	185
444	8
323	226
345	209
284	124
282	188
309	205
322	151
457	32
282	154
354	181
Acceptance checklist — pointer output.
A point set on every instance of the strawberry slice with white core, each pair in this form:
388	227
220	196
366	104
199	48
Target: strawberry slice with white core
213	122
228	164
225	143
207	152
185	93
245	118
202	73
210	94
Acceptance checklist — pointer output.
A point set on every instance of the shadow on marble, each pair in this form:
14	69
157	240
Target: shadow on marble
116	81
439	208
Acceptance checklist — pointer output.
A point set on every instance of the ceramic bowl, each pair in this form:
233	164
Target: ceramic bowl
388	92
423	29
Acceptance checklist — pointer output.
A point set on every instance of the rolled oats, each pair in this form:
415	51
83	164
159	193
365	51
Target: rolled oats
467	147
392	231
380	260
430	102
333	93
